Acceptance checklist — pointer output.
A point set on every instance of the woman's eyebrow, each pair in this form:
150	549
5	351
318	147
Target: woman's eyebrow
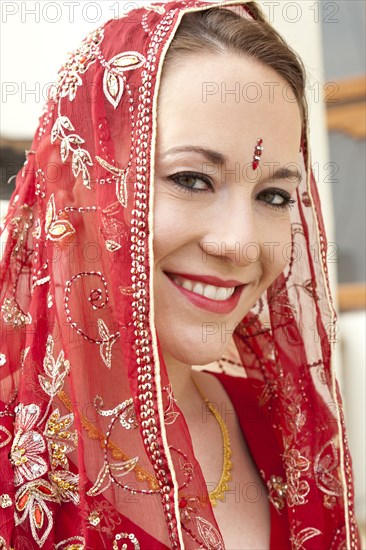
216	158
212	156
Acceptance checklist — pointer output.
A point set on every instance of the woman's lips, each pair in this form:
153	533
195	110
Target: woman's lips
214	306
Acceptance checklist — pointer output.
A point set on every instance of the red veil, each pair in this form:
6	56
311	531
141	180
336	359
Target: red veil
95	452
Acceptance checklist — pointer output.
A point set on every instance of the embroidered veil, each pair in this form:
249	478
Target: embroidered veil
94	450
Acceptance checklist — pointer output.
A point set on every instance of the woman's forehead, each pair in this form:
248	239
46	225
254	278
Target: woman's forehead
229	99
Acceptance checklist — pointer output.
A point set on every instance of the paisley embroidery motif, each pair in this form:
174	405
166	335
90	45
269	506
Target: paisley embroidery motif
209	534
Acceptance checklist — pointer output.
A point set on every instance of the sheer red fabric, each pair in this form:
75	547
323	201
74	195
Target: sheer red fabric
95	452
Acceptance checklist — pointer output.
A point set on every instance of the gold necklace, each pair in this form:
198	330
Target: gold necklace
222	487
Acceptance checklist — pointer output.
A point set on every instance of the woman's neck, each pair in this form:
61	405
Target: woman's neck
180	377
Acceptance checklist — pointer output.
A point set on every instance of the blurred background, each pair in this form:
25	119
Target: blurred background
330	37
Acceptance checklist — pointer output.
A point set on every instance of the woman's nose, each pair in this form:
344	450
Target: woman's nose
233	235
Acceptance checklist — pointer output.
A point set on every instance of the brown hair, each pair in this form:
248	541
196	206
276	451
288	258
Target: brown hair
221	30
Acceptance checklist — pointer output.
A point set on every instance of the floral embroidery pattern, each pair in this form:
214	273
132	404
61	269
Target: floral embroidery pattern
27	446
78	63
297	488
28	453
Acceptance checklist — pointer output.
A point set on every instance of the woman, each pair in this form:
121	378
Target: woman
128	260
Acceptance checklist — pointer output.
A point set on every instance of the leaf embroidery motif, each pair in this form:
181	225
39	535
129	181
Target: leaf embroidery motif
157	9
107	342
325	469
304	535
113	84
30	502
81	158
120	179
57	228
104	478
5	436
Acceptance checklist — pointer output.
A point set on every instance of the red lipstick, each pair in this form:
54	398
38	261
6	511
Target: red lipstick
214	306
208	279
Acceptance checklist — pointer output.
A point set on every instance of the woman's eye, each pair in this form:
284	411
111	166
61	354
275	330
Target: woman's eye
277	199
191	182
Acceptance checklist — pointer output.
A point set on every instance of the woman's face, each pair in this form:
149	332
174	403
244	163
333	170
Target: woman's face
214	215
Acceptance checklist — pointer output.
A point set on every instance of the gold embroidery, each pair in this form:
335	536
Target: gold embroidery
21	225
277	489
119	176
113	84
117	453
302	536
78	63
13	315
29	446
80	157
5	501
326	474
297	488
129	536
209	534
56	228
107	341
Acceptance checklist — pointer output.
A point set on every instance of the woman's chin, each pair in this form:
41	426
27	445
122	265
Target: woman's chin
198	354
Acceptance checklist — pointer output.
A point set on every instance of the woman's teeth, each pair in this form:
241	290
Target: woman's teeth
209	291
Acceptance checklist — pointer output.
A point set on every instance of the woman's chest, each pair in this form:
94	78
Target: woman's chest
242	511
